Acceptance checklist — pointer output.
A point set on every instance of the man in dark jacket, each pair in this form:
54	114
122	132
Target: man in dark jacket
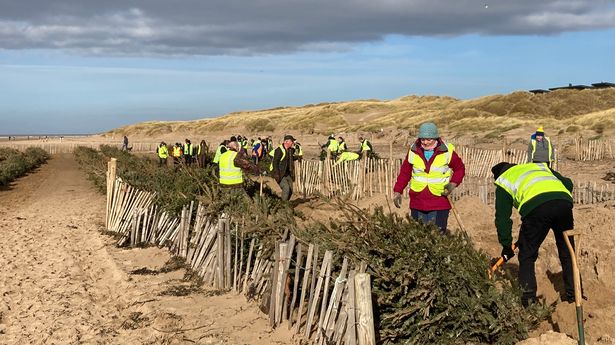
282	167
544	200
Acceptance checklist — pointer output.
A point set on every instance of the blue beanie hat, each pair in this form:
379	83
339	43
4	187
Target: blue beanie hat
428	130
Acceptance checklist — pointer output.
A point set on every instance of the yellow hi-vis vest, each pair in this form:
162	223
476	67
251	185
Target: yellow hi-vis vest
163	152
177	151
341	147
439	173
525	181
187	149
347	157
333	145
229	173
272	153
365	146
218	154
298	150
548	143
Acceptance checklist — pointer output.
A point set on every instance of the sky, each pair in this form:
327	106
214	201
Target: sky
88	66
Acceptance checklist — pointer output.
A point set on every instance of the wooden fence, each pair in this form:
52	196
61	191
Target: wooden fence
294	281
591	150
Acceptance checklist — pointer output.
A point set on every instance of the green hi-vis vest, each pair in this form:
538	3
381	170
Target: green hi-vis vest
525	181
272	153
163	152
439	173
218	154
548	143
365	146
245	144
333	145
229	173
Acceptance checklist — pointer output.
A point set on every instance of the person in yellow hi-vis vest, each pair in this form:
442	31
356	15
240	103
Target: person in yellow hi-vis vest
163	154
232	163
434	170
332	146
540	148
346	157
543	198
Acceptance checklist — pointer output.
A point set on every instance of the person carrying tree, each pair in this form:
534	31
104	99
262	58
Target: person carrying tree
434	170
232	163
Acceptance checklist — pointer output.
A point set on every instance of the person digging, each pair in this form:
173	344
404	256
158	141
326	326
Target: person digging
544	200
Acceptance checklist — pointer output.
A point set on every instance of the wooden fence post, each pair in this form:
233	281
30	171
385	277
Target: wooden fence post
366	333
111	176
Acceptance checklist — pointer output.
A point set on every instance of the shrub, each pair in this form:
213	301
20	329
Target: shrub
14	164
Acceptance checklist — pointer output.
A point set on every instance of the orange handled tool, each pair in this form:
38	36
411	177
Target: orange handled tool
499	262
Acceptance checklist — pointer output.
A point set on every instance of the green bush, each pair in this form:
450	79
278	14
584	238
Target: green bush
429	288
14	164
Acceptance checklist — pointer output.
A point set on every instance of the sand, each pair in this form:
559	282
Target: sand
63	281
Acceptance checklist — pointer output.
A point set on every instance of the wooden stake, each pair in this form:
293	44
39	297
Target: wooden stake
366	333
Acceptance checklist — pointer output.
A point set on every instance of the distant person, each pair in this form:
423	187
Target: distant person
177	155
366	148
282	167
540	148
188	150
331	146
298	150
202	153
220	150
257	150
346	157
544	200
124	143
434	170
341	145
163	153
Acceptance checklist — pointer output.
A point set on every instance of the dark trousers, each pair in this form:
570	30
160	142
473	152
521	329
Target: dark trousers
553	214
162	161
287	187
439	218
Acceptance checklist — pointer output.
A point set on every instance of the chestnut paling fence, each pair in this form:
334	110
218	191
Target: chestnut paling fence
298	282
369	177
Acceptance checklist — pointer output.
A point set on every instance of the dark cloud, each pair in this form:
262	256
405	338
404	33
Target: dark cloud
242	27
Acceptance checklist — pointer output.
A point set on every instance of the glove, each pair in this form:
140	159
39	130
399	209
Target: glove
397	199
449	188
507	253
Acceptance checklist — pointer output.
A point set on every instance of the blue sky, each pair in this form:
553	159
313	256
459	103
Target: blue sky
60	78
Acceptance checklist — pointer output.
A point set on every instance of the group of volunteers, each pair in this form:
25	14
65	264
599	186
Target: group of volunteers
542	196
184	153
337	149
433	169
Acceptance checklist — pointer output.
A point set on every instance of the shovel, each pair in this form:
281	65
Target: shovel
576	276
